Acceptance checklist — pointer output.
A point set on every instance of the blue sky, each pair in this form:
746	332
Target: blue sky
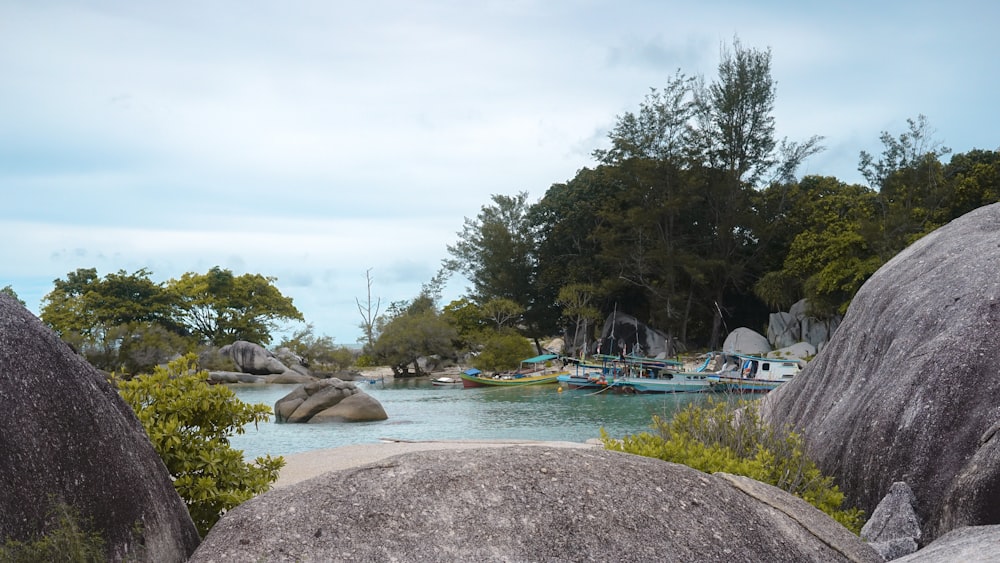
311	141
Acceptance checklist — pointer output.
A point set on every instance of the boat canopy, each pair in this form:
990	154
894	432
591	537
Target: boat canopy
540	359
472	371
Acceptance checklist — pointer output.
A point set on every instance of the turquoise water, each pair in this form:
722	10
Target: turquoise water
420	411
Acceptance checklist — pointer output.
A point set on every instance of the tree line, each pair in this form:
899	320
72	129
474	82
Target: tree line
694	221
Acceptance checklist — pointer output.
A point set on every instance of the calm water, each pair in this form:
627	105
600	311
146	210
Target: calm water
420	411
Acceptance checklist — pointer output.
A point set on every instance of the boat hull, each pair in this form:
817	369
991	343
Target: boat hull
470	381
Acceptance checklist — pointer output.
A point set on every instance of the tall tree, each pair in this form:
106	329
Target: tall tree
369	313
222	308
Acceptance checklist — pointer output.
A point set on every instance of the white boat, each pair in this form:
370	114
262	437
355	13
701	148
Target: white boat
753	374
446	381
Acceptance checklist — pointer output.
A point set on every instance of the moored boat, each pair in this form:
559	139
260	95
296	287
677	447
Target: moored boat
753	374
445	381
533	371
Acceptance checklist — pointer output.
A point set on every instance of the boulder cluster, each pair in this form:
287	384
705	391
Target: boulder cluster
899	406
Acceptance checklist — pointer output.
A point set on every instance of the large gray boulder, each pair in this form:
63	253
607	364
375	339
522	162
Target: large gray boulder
253	358
894	527
328	400
527	503
625	330
971	544
906	389
67	437
746	341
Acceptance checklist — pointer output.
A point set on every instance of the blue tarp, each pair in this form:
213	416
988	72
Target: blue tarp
540	359
472	371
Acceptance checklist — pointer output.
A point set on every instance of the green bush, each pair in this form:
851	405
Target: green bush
189	423
503	350
721	437
65	538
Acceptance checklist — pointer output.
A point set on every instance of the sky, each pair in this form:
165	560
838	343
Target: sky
315	141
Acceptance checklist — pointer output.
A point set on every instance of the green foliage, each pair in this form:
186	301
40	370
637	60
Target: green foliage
222	308
8	290
502	351
466	318
318	352
66	538
189	423
417	332
721	437
108	319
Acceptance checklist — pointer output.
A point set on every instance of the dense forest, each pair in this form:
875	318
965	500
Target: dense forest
692	220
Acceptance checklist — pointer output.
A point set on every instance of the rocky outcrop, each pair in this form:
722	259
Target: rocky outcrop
894	527
971	544
67	437
328	400
906	388
786	329
637	338
746	341
253	358
524	503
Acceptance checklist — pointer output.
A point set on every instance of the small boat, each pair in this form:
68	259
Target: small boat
533	371
446	381
753	374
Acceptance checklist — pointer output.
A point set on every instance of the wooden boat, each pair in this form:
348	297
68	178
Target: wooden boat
743	373
655	375
446	381
533	371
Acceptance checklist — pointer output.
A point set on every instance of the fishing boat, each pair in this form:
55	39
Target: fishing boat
532	371
743	373
655	375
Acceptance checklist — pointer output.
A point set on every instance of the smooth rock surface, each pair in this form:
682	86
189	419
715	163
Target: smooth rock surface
893	529
313	399
971	544
746	341
66	436
524	503
906	389
253	358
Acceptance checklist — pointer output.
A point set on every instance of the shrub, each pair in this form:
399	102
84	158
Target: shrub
734	439
66	538
502	351
189	423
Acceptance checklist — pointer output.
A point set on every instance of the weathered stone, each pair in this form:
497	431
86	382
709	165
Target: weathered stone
524	503
66	436
625	330
746	341
294	361
289	377
799	350
894	527
253	358
908	384
970	544
306	401
360	407
235	377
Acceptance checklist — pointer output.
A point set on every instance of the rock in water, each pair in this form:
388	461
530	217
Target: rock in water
527	503
67	437
906	389
328	400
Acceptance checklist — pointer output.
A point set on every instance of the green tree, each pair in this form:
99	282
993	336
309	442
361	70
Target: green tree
577	302
467	319
317	352
222	308
910	181
412	335
501	351
501	311
497	253
189	423
106	319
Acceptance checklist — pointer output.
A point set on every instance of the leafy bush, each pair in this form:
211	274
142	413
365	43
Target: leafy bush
502	350
65	538
189	423
734	439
